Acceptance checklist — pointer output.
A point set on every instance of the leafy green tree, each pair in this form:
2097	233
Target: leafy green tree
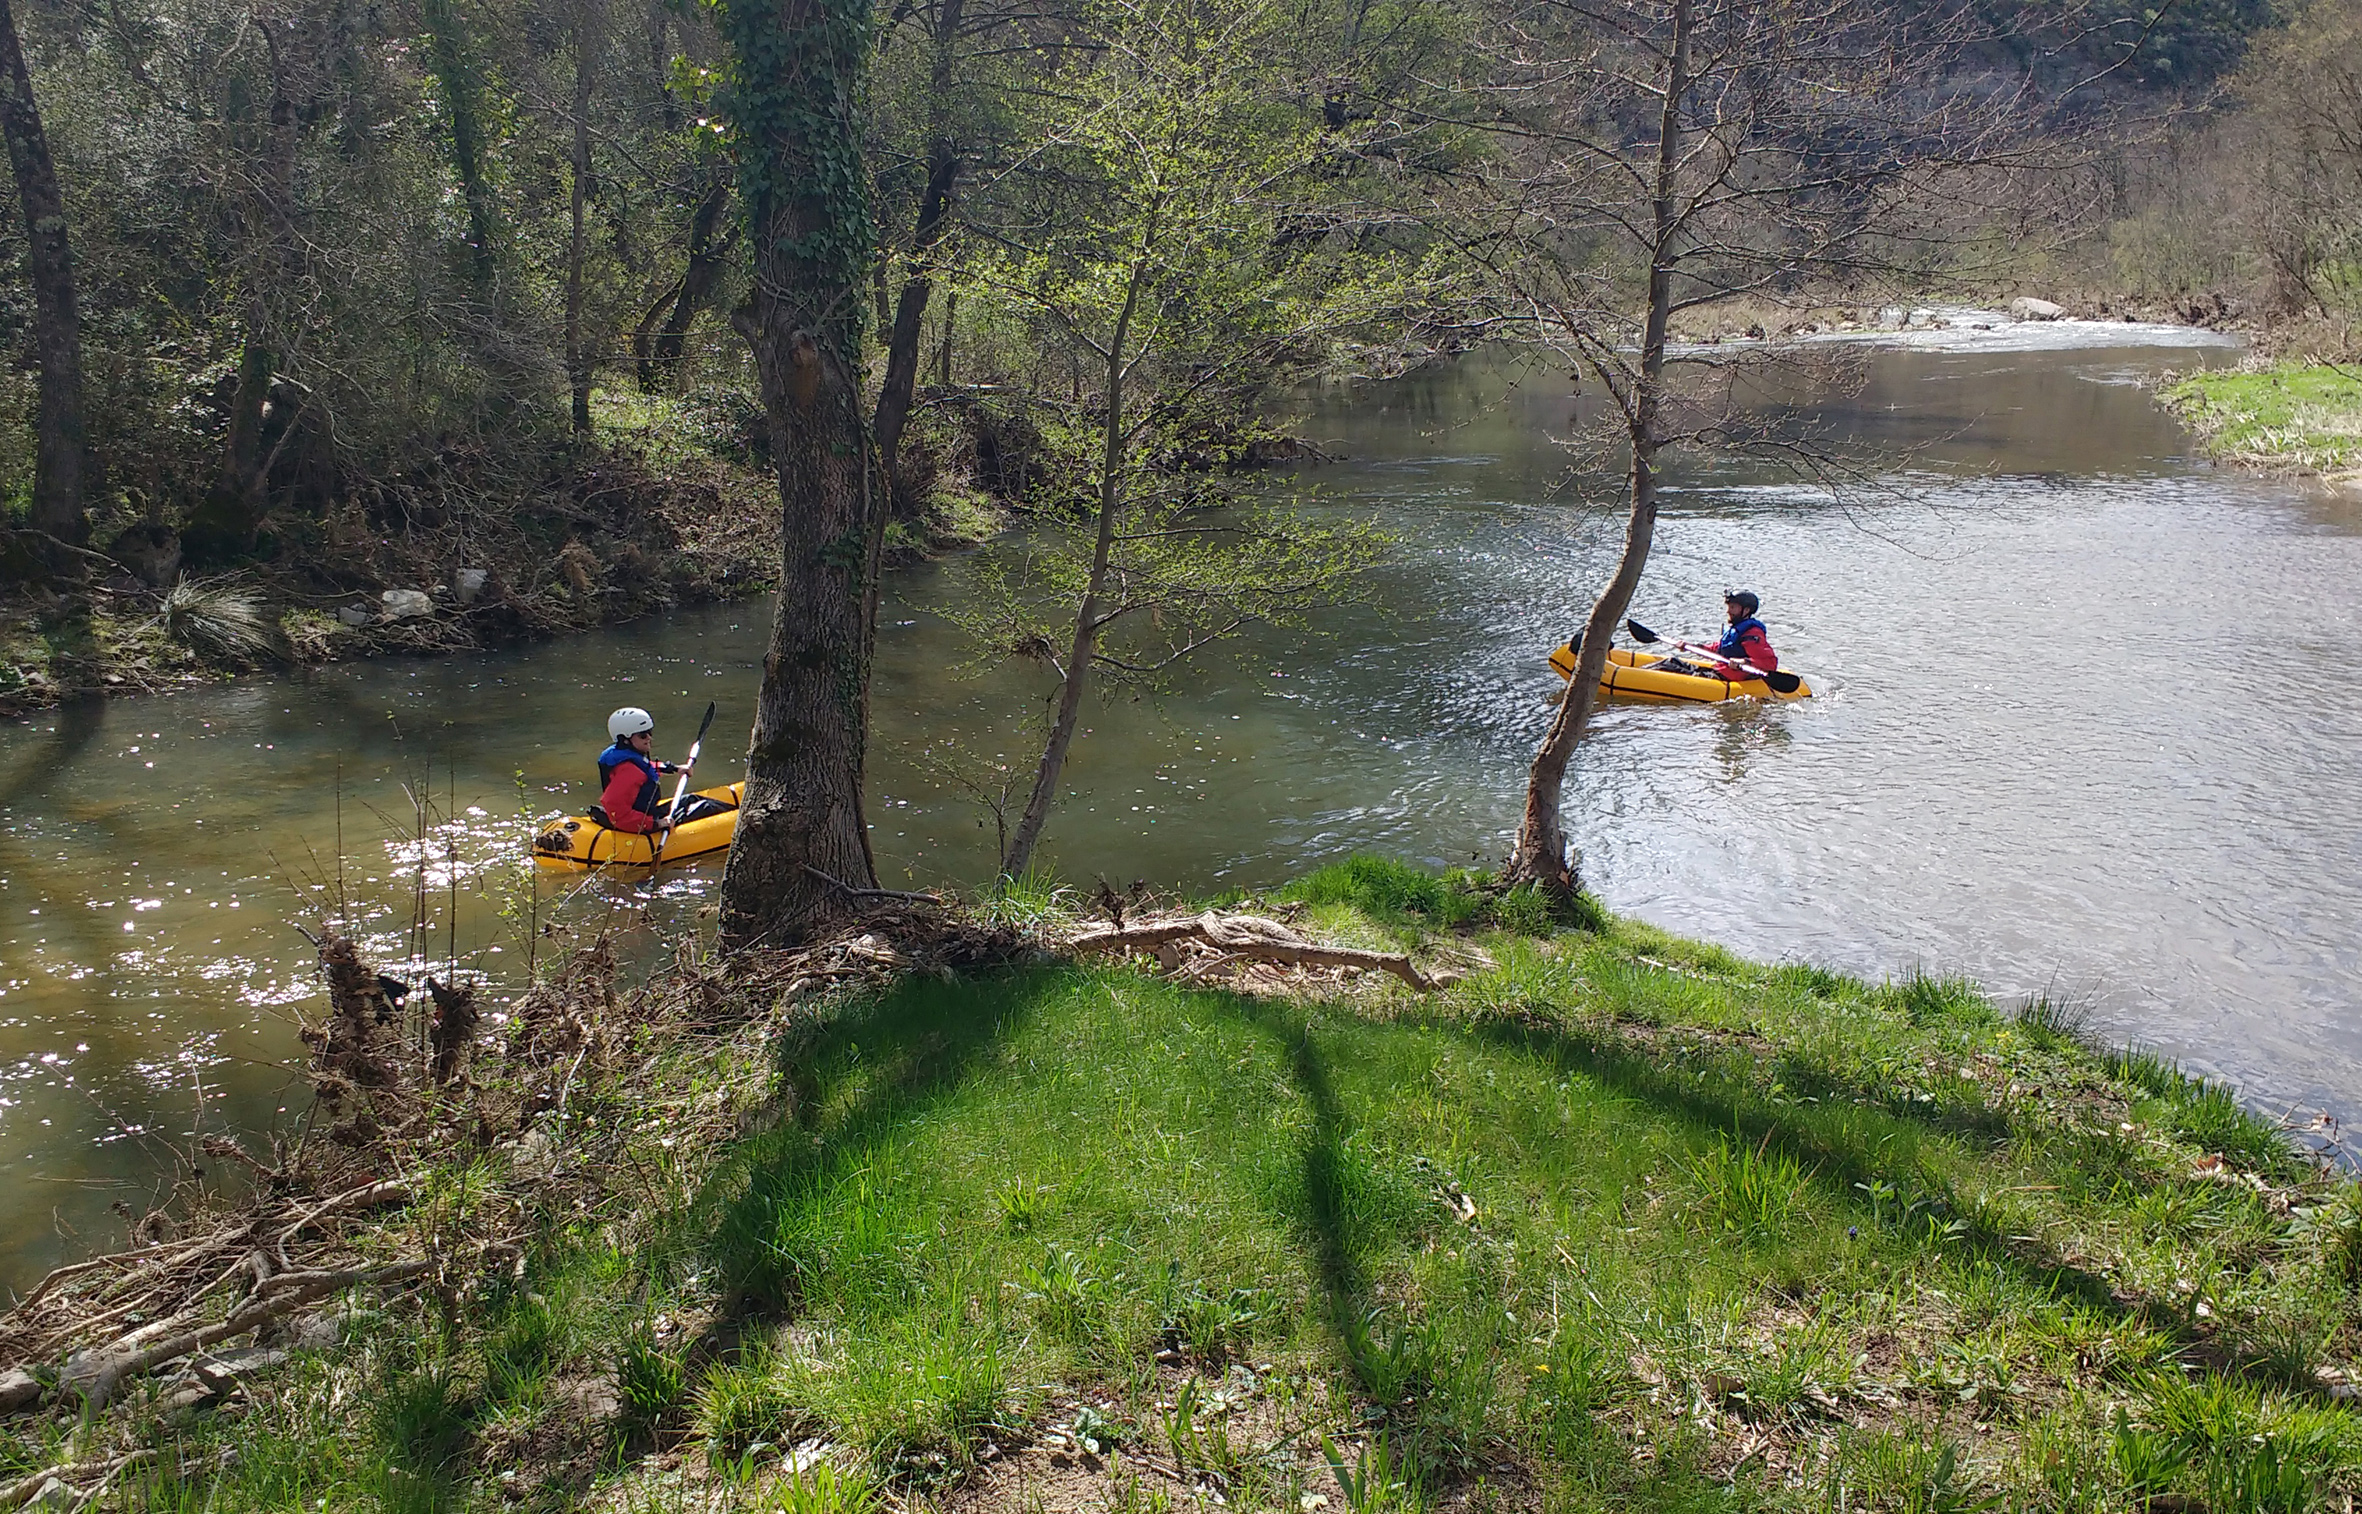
1197	229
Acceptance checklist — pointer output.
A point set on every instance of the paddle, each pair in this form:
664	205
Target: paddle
1777	682
656	853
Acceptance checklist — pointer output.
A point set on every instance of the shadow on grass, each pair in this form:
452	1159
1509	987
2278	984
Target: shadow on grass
855	1079
1838	1145
1343	1217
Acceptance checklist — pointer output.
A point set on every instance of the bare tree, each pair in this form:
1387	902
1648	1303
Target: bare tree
1668	156
934	219
2304	150
227	519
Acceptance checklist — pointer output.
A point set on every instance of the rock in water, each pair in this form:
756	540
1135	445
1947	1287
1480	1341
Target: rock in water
405	604
2026	308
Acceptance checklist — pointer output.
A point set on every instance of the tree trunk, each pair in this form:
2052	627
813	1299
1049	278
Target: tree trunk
447	36
226	521
61	445
951	310
1541	854
644	371
1087	622
708	255
578	364
910	310
803	185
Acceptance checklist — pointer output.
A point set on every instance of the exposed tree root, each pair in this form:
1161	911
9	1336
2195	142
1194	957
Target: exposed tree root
1245	938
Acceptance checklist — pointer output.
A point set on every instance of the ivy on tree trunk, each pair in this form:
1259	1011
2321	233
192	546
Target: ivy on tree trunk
795	95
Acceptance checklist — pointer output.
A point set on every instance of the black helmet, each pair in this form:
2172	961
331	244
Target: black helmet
1742	599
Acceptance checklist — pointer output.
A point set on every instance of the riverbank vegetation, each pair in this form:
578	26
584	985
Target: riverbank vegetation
940	1214
2284	417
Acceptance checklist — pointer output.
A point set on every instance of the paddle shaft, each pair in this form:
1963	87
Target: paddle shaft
681	790
1778	682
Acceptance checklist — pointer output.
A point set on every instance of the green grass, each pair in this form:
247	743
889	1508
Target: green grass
1648	1226
1408	899
2288	416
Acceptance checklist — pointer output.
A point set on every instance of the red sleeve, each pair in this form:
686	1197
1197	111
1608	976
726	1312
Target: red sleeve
1759	651
623	786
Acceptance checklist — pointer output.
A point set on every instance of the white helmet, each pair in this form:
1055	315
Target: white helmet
631	720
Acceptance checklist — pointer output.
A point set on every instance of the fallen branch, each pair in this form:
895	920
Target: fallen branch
67	1474
95	1375
1253	937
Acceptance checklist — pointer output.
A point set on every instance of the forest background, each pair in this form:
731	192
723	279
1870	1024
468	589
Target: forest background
373	292
345	327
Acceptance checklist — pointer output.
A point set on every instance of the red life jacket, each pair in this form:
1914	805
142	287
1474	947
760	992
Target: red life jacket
628	790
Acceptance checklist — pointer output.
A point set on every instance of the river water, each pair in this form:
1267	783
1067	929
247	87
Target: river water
2087	724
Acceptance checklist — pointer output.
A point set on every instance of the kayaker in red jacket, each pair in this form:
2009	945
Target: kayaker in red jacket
1745	642
629	793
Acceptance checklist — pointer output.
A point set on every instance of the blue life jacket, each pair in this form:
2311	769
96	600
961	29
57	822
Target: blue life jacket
651	788
1734	640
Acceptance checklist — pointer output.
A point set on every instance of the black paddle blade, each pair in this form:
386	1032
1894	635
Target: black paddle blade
1640	633
706	724
1782	683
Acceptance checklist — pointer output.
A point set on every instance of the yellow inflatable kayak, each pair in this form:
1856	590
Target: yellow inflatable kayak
581	841
1635	675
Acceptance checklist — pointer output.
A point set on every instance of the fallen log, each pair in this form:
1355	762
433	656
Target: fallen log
1254	937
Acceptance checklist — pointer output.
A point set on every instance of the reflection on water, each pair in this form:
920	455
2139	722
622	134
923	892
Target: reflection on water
2086	725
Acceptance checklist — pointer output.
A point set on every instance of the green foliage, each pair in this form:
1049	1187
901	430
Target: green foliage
1390	890
2210	1116
741	1403
1373	1484
1929	1000
819	1489
1400	894
1750	1191
651	1378
2292	416
2054	1024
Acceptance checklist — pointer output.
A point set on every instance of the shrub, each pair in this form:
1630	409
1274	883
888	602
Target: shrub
229	624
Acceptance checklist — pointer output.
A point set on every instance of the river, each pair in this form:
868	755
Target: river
2086	725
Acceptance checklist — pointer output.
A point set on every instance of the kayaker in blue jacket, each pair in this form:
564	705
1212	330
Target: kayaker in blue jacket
629	793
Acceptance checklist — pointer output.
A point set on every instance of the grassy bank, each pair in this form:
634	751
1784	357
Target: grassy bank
1614	1220
2286	416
